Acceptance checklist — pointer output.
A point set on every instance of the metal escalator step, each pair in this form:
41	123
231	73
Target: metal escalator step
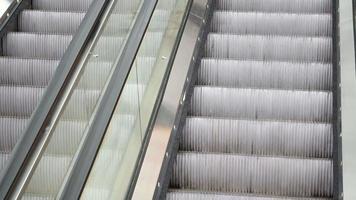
93	193
118	23
68	134
97	72
107	47
277	138
296	6
202	195
133	5
11	130
83	102
62	5
37	197
40	46
121	23
60	143
83	5
95	75
130	98
145	66
127	6
151	44
262	104
26	72
280	48
105	156
167	5
260	23
277	176
81	105
3	158
49	22
49	175
66	137
19	101
259	74
119	131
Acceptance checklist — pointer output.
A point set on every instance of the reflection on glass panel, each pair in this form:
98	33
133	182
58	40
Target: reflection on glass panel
115	163
49	176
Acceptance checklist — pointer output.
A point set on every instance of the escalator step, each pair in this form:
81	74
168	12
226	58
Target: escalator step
260	23
62	5
296	6
81	105
192	195
3	158
121	23
276	138
280	48
51	171
12	129
276	176
68	134
262	104
268	75
40	46
36	197
19	101
49	22
26	72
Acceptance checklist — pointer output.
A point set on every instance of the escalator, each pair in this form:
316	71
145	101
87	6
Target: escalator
29	59
260	121
34	55
257	118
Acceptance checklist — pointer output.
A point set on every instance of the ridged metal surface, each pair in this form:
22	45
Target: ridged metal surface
278	138
191	195
262	104
262	47
265	74
297	6
272	23
30	57
252	174
259	122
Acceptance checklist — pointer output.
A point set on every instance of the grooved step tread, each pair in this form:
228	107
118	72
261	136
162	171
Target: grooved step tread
267	175
278	6
292	105
265	74
261	23
262	47
203	195
275	138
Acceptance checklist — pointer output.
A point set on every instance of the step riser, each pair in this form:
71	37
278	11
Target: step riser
254	74
25	45
296	6
262	104
257	138
49	22
272	24
259	175
177	195
269	48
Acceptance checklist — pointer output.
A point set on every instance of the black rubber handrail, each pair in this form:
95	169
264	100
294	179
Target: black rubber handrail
98	127
47	105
